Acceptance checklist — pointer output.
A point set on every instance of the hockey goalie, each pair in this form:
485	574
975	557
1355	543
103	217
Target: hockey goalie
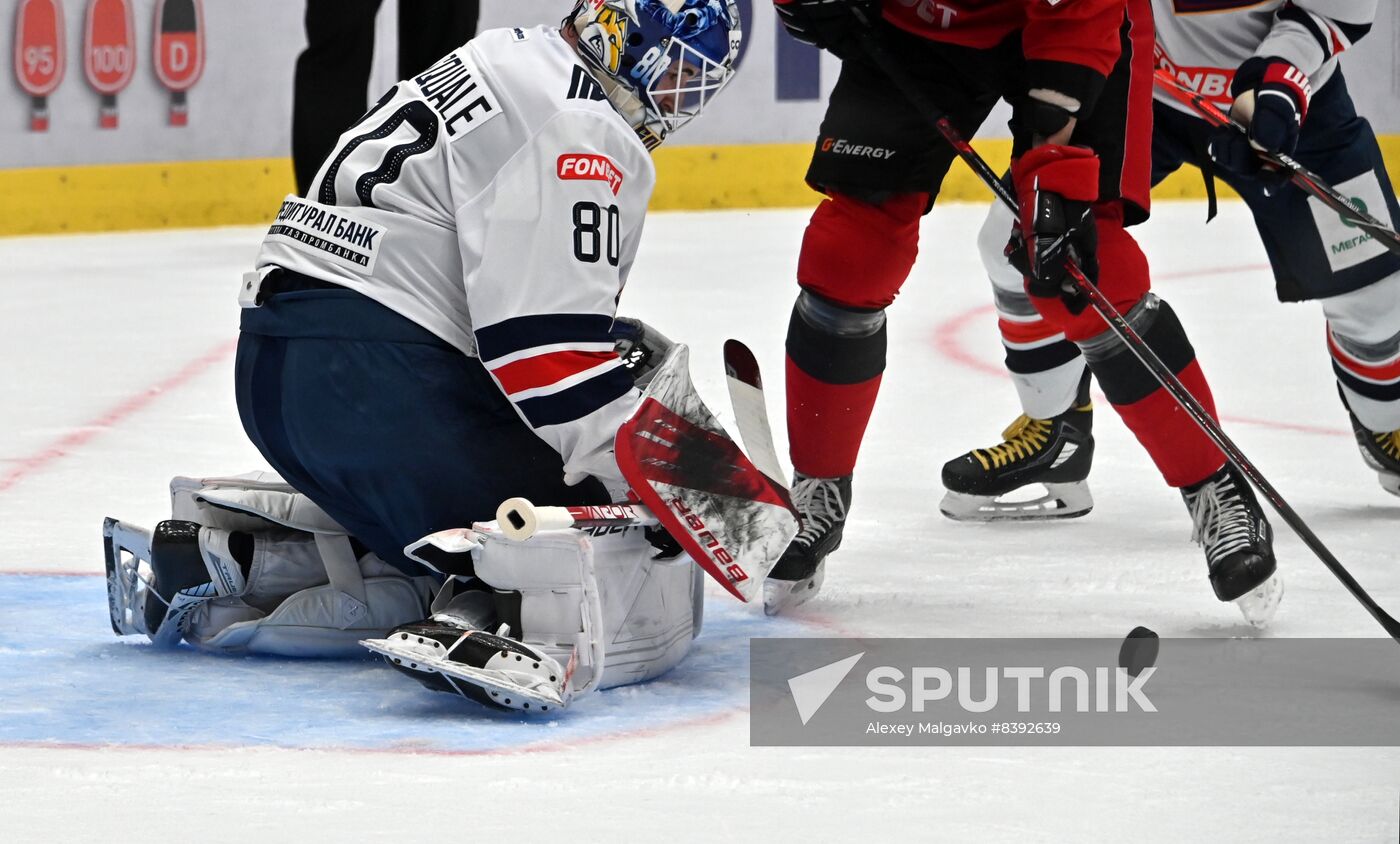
431	331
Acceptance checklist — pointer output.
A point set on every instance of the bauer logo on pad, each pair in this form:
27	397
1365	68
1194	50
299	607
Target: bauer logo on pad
580	165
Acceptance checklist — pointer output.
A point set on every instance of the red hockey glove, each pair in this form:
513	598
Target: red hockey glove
1054	187
828	24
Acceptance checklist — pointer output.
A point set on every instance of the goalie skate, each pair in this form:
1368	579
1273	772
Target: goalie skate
489	668
154	581
1000	483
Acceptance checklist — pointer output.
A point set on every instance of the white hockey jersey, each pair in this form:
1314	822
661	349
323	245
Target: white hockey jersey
1203	42
496	200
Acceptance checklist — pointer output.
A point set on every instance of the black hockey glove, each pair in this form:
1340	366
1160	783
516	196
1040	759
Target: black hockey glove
641	348
667	548
1271	99
1055	186
828	24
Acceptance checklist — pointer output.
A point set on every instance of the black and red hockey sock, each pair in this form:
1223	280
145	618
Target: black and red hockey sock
1182	451
835	359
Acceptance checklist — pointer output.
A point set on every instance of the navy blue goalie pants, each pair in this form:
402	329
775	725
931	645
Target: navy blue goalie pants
390	430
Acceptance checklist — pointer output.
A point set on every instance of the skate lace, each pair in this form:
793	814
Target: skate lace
1222	521
1389	443
819	502
1024	438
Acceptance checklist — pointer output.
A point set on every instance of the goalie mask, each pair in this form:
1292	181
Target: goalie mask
660	61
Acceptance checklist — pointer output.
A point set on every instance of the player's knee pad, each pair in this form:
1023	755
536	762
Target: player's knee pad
1363	337
281	577
858	253
836	344
606	601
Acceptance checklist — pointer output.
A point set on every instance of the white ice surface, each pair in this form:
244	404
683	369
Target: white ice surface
117	354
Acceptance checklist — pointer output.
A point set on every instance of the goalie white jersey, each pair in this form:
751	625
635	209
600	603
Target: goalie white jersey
1203	42
497	200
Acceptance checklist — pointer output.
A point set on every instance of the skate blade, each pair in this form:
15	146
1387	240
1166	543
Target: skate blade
1060	501
1259	604
427	658
125	548
1390	482
779	596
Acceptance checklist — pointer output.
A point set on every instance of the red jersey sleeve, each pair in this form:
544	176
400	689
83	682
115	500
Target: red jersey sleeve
1071	45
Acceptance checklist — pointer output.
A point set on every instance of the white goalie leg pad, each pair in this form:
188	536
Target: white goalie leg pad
251	502
647	610
306	594
560	605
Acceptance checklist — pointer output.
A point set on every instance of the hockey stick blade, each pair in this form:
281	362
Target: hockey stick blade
877	54
1299	175
750	409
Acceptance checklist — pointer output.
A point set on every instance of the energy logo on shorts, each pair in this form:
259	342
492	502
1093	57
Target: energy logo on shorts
841	146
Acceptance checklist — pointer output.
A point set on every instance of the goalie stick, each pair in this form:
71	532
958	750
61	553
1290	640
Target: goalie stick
875	51
750	410
1297	173
520	520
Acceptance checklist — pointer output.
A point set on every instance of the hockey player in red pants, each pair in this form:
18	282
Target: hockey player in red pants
1275	66
1078	74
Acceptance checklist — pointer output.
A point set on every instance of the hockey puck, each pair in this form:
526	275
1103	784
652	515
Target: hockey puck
1139	651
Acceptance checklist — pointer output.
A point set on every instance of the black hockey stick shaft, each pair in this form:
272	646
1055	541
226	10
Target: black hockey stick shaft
877	53
1299	175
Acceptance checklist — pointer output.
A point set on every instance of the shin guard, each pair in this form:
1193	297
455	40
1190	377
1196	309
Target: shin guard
1182	451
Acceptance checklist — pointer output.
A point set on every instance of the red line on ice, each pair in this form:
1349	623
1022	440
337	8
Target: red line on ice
80	436
947	340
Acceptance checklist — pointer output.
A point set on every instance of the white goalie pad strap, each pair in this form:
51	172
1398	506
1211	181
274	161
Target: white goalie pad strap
247	502
560	608
343	570
648	609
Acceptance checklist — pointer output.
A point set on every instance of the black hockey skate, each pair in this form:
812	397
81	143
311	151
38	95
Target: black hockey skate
821	508
489	668
1380	450
1238	544
1055	453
